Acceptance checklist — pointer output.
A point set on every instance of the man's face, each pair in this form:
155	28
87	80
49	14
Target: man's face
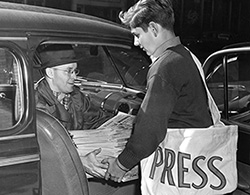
144	39
63	77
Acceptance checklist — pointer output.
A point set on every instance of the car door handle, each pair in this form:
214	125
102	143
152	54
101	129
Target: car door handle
2	95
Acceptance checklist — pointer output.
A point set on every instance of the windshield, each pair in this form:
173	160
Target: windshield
132	64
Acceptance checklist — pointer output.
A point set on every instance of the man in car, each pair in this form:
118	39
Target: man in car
57	95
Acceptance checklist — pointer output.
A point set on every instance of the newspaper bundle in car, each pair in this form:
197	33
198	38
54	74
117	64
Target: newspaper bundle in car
111	137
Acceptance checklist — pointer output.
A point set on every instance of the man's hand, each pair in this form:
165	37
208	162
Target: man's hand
92	165
114	172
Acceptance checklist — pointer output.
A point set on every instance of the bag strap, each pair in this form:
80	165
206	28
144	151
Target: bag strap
212	106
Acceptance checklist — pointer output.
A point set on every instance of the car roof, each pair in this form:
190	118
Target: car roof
24	20
237	45
236	48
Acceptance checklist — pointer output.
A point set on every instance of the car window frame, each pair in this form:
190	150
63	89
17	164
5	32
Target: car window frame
209	69
26	90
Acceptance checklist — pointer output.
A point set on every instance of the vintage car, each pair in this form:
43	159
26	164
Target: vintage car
227	73
37	156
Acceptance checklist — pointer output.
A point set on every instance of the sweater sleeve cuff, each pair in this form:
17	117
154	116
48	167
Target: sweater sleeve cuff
121	166
127	159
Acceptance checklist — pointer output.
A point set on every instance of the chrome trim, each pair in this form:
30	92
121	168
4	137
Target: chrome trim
89	43
17	137
105	99
225	51
19	160
13	39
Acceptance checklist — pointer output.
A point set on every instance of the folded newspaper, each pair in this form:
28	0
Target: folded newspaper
111	136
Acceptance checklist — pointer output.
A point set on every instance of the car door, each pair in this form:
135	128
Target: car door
228	78
19	151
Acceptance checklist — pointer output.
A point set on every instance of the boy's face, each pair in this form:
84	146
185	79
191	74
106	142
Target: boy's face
63	77
146	40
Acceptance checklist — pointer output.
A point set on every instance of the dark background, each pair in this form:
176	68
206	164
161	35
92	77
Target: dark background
203	25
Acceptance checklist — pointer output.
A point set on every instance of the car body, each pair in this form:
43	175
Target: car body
227	73
37	155
35	149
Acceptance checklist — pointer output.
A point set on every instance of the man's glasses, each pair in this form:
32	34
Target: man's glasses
69	72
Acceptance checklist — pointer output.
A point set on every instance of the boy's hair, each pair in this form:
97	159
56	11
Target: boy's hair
146	11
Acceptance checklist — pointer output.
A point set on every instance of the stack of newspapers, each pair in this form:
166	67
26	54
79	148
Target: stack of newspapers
111	137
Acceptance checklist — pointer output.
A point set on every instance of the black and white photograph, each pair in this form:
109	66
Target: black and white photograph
124	97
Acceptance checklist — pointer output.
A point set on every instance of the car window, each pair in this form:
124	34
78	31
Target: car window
238	76
110	64
10	89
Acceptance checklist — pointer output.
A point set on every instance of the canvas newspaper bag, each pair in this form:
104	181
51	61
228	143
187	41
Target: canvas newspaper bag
199	161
